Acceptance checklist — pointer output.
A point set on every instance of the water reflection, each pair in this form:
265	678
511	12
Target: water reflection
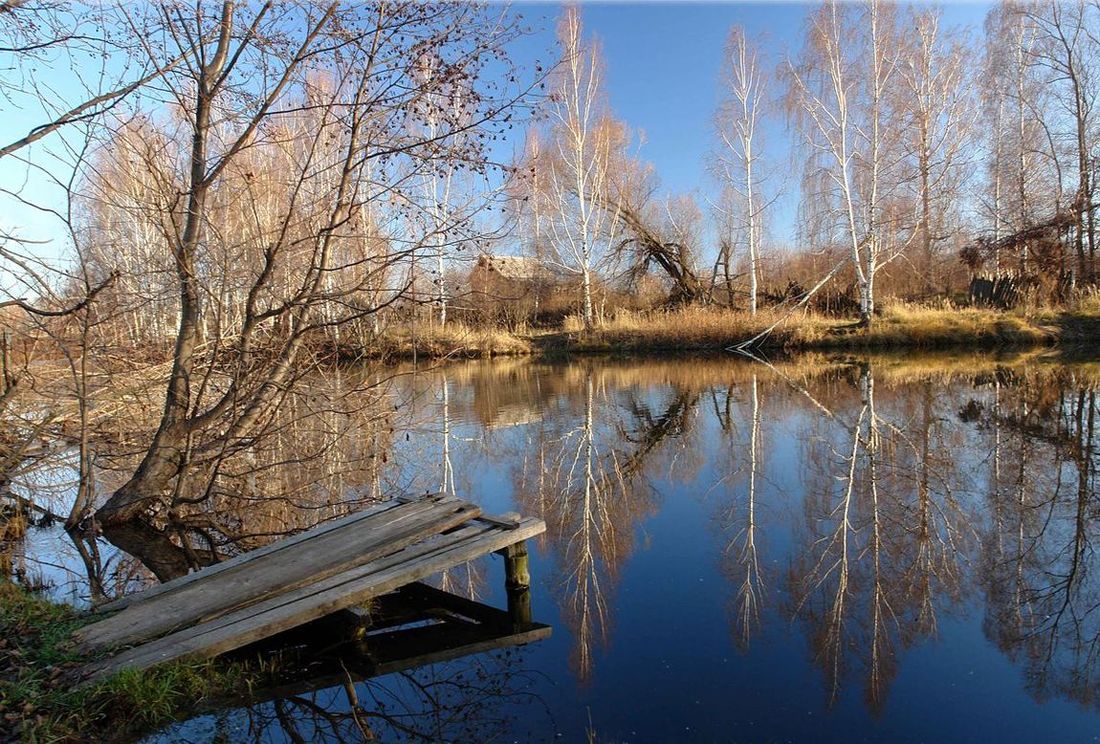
884	534
738	519
857	511
403	673
1039	563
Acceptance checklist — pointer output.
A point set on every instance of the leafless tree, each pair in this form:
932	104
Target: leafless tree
1063	48
839	95
300	121
939	107
580	227
745	86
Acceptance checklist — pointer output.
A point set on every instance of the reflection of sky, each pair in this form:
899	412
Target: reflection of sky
48	555
672	669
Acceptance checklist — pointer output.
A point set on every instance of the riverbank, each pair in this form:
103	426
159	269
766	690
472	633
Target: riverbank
40	703
898	327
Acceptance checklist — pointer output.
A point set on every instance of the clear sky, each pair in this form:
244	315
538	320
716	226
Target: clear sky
662	69
663	66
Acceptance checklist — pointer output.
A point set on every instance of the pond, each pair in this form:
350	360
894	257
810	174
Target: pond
812	548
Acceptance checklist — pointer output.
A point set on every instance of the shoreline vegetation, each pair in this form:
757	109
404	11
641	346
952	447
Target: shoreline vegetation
700	329
40	703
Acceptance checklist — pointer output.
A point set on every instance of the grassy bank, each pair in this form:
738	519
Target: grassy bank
40	703
432	342
897	327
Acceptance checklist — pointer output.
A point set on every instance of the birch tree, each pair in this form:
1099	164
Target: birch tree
1023	156
939	108
838	97
745	86
1063	48
584	137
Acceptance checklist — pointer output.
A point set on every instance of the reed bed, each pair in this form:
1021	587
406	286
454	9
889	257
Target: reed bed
898	326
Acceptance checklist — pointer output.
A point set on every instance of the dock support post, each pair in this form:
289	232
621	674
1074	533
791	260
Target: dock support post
517	582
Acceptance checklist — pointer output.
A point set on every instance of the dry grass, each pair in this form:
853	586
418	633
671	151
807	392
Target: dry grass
453	340
913	326
899	326
685	328
695	328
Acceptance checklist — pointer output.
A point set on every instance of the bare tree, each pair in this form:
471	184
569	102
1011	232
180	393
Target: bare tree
839	96
584	136
746	87
327	97
939	111
1063	48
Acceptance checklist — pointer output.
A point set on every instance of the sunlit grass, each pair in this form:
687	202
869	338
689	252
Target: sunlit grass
41	702
452	340
897	326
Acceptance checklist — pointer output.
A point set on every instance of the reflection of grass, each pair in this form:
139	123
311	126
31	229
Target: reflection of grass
39	702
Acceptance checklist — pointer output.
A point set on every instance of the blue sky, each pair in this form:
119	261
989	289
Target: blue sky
663	64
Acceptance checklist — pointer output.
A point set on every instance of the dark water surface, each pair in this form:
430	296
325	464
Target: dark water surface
816	550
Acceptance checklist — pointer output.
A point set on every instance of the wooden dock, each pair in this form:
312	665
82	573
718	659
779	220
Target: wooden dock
299	579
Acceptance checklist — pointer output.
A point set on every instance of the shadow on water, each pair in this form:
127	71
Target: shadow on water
420	664
808	547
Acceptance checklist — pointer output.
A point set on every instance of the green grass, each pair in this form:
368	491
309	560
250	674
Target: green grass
40	702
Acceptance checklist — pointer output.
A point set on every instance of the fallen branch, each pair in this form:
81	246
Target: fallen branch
805	298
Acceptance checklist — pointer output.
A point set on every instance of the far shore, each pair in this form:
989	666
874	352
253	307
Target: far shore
698	329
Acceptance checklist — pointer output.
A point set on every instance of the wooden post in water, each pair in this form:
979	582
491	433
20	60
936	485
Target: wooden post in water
517	582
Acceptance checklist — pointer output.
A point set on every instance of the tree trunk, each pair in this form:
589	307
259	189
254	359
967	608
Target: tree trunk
165	457
588	314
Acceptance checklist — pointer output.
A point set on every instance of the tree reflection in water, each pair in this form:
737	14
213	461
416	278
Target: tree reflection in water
1039	570
474	699
582	486
737	520
863	501
885	538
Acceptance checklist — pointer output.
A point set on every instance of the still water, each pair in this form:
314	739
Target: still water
813	549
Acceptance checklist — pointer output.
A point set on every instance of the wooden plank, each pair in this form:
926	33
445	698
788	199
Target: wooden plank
204	640
278	545
210	592
313	560
285	611
276	614
508	520
330	553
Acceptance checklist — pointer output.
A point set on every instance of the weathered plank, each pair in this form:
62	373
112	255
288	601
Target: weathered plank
277	546
353	586
327	553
